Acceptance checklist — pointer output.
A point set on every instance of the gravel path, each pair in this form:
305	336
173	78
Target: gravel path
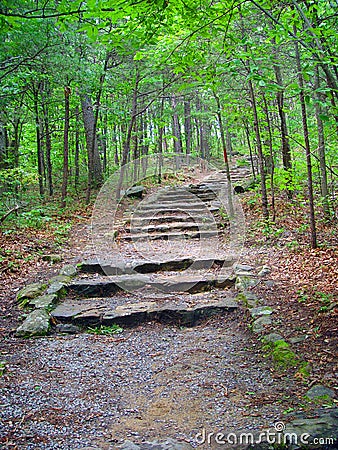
71	392
150	382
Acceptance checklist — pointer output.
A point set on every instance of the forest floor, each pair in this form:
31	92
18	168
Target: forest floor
158	381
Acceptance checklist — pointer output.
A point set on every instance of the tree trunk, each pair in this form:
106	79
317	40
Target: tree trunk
65	149
225	154
187	126
247	133
38	141
321	148
127	142
94	162
3	146
286	151
176	126
307	146
259	153
46	94
272	161
77	147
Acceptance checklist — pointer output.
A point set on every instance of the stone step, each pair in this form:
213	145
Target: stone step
107	286
173	205
170	236
172	226
169	218
170	208
91	267
100	311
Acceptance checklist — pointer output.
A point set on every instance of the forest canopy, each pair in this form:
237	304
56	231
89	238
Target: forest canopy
87	86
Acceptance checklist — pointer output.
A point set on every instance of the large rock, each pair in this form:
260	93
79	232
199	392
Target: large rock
31	291
36	324
56	288
260	324
44	301
272	338
315	431
52	258
135	191
320	392
169	444
68	270
244	282
261	311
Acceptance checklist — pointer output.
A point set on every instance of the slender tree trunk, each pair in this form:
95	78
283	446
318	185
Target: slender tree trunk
127	142
225	154
77	147
104	140
116	145
160	143
321	148
45	96
247	133
3	146
65	149
286	151
176	126
187	126
272	161
38	141
307	146
94	162
259	153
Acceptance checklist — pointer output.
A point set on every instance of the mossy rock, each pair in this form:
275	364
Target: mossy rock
64	279
260	311
36	324
58	289
29	292
52	258
258	326
44	301
282	354
320	394
244	282
68	270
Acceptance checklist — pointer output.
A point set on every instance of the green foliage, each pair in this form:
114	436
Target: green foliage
3	367
105	330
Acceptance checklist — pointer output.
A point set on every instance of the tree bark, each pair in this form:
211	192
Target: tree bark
65	149
176	126
187	126
321	148
45	96
94	162
38	140
307	146
3	146
225	154
77	148
259	153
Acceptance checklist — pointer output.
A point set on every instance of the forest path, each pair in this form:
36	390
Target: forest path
162	383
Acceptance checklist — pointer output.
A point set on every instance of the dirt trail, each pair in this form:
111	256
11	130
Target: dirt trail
151	382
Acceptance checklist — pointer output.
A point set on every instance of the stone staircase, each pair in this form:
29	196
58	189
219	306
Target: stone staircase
183	281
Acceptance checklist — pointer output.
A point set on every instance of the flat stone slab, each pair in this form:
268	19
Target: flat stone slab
170	236
108	311
111	285
93	266
167	227
169	444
